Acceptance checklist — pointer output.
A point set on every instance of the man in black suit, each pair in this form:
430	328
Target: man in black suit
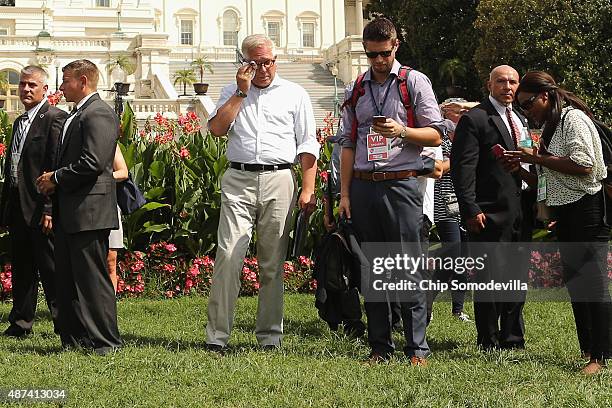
490	199
85	211
25	211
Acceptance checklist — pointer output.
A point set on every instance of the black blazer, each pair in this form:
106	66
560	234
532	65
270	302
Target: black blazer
85	196
480	182
37	156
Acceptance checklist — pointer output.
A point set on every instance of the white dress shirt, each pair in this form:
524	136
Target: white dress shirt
73	114
273	126
426	184
501	109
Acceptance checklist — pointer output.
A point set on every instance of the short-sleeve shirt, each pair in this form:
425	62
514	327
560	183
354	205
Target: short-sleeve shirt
274	125
575	137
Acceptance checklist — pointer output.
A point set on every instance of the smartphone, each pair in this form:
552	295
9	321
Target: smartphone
379	120
498	151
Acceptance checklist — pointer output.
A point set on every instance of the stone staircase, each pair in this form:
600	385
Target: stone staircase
317	81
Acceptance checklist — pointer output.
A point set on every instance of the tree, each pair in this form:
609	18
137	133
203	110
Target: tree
202	64
432	32
122	62
185	77
4	82
571	40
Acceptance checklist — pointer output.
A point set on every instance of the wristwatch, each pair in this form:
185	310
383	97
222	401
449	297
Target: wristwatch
240	94
403	133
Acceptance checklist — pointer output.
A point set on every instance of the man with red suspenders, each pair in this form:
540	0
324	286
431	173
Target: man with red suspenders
379	189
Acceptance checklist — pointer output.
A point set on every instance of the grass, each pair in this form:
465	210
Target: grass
164	363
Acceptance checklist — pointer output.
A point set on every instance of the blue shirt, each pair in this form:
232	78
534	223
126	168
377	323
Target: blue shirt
403	155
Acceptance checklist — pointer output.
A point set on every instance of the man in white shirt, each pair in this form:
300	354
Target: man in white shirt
269	122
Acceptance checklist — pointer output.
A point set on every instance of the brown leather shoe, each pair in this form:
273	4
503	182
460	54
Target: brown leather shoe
376	358
593	367
416	361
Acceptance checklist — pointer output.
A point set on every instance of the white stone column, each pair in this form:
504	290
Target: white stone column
359	17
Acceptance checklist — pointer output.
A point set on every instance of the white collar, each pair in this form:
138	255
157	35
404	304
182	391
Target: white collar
501	109
33	111
85	99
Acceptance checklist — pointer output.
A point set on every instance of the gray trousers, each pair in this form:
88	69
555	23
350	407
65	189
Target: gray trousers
263	200
391	211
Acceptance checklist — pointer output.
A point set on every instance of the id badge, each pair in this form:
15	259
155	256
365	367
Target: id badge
379	146
541	187
525	138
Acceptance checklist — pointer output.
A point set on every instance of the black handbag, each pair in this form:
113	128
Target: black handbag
129	196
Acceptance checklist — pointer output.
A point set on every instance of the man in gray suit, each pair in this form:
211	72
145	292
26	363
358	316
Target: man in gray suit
85	211
25	211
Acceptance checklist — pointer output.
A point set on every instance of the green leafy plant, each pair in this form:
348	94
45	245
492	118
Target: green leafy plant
201	64
185	77
123	62
452	70
4	82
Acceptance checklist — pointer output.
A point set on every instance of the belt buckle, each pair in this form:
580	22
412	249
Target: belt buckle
376	174
242	166
275	167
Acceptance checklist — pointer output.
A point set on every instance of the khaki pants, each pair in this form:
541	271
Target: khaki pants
264	200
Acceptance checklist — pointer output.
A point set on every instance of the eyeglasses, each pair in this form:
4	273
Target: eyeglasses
265	64
526	105
374	54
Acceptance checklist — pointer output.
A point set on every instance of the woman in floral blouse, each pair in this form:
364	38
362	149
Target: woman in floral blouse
570	169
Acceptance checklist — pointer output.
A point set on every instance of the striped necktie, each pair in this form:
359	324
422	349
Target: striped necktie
514	129
19	133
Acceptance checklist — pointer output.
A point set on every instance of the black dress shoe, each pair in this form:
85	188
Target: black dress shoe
16	331
216	348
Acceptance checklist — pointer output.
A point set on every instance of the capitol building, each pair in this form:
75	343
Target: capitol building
318	44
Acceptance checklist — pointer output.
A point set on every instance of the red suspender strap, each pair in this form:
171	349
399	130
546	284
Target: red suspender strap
358	92
405	94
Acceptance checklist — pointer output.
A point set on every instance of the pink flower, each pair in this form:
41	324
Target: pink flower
170	247
305	261
169	268
2	149
323	175
137	266
169	294
184	153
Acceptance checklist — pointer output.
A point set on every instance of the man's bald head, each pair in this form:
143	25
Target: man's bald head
502	84
500	69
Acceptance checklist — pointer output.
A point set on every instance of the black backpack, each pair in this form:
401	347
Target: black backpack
334	262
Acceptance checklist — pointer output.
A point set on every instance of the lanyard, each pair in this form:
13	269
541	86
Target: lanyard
376	107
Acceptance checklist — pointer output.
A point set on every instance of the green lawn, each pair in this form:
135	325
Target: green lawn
164	364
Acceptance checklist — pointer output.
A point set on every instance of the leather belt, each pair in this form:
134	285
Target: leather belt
384	175
259	167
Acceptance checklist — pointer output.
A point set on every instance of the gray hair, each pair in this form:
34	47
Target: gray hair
35	70
256	40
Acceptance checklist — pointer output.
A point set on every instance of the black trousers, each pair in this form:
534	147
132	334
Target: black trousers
32	260
585	271
391	211
86	298
498	323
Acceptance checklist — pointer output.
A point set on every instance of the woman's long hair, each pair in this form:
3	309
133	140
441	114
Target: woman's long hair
539	81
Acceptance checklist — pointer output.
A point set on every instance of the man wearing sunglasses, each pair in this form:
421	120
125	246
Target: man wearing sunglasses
490	200
270	124
379	187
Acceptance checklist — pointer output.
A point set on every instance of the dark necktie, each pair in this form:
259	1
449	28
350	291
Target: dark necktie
514	129
20	133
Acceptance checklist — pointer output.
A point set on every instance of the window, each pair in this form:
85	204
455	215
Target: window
230	28
308	34
3	31
11	98
8	3
274	32
186	32
102	3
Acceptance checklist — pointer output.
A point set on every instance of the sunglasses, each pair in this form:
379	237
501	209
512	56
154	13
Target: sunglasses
526	105
264	64
374	54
